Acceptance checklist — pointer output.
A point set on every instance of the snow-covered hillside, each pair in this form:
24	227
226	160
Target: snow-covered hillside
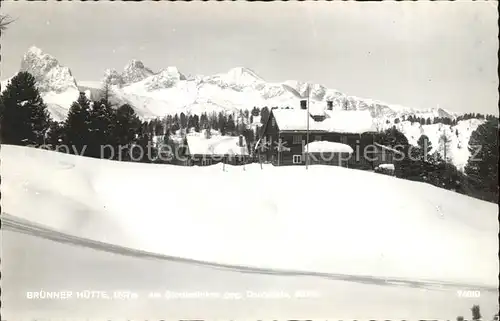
451	142
316	220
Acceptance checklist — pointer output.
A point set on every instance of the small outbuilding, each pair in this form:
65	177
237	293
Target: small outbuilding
203	151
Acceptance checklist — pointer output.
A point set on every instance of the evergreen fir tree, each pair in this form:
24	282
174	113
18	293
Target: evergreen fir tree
196	123
203	120
482	166
397	140
140	153
55	134
212	120
175	124
208	133
255	111
420	160
24	118
476	313
443	174
190	121
444	141
127	129
169	121
183	120
231	127
221	122
102	129
159	128
197	126
77	126
424	147
249	135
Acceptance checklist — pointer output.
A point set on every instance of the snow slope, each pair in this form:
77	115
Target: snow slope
452	141
320	220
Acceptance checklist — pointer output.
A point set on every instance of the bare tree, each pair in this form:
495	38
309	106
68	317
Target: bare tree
5	20
445	141
106	91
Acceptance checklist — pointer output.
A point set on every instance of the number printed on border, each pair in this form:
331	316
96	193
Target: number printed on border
468	293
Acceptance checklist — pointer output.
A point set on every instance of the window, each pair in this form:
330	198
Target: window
297	139
317	138
273	122
297	159
206	161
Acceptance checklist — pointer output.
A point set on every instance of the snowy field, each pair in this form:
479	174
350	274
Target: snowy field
324	221
30	264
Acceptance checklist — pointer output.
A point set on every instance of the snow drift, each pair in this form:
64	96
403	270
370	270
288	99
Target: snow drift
328	147
325	219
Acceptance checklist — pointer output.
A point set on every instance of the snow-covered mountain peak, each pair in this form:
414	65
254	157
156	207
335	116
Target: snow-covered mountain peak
34	50
243	75
135	71
166	78
134	64
49	74
240	79
113	77
173	71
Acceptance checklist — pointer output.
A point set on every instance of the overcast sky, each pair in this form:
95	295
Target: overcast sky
416	54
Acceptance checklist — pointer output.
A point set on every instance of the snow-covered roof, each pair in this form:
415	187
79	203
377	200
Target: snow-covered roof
340	121
387	166
328	147
216	145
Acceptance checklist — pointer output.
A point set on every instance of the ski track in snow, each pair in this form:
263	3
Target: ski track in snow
66	263
11	223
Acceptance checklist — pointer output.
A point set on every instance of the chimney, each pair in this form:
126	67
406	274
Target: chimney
329	105
303	104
